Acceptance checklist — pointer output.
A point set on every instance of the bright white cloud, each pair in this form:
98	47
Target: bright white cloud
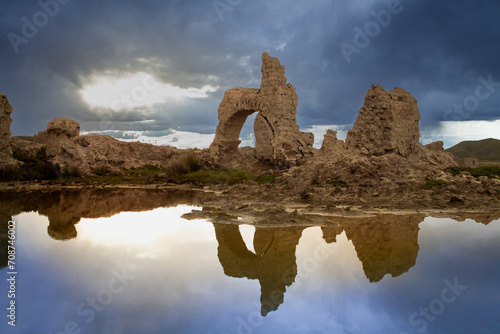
136	90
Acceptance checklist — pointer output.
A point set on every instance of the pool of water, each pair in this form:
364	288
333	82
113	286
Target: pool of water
129	263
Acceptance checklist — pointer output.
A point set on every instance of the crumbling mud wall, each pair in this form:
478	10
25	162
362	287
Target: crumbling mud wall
387	123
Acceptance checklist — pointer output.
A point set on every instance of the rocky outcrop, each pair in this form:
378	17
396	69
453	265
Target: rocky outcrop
278	139
6	158
332	148
58	137
63	127
387	123
24	147
94	151
66	147
435	153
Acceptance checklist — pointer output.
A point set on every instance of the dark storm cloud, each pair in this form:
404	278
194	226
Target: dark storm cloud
436	51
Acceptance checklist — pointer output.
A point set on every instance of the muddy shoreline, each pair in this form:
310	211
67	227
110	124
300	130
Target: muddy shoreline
244	203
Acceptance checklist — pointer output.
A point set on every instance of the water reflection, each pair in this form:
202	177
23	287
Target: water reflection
384	244
273	263
65	209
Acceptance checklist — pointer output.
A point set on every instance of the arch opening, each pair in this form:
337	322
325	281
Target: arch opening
247	134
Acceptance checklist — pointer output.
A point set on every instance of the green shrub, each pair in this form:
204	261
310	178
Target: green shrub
41	154
191	163
184	165
315	182
267	178
489	171
226	176
71	171
430	183
33	168
337	183
152	168
101	171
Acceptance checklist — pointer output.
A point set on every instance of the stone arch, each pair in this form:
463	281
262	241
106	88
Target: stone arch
278	139
236	106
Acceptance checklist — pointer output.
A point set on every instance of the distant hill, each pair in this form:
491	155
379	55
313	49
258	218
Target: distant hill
484	150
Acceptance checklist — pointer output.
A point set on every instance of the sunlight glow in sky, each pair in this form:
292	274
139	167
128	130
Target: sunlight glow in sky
136	90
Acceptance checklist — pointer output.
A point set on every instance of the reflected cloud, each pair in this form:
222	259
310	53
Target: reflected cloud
65	209
134	228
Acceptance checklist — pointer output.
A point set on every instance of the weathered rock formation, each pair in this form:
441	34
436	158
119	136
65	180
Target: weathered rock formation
58	135
66	147
277	136
5	134
387	123
332	148
63	127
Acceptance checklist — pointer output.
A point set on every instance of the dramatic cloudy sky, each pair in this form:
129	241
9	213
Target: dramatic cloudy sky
155	65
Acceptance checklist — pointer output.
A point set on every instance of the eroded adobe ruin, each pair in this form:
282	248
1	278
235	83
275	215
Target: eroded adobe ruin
6	158
278	139
387	123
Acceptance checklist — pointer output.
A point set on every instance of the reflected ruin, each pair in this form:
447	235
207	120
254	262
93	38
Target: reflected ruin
273	263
